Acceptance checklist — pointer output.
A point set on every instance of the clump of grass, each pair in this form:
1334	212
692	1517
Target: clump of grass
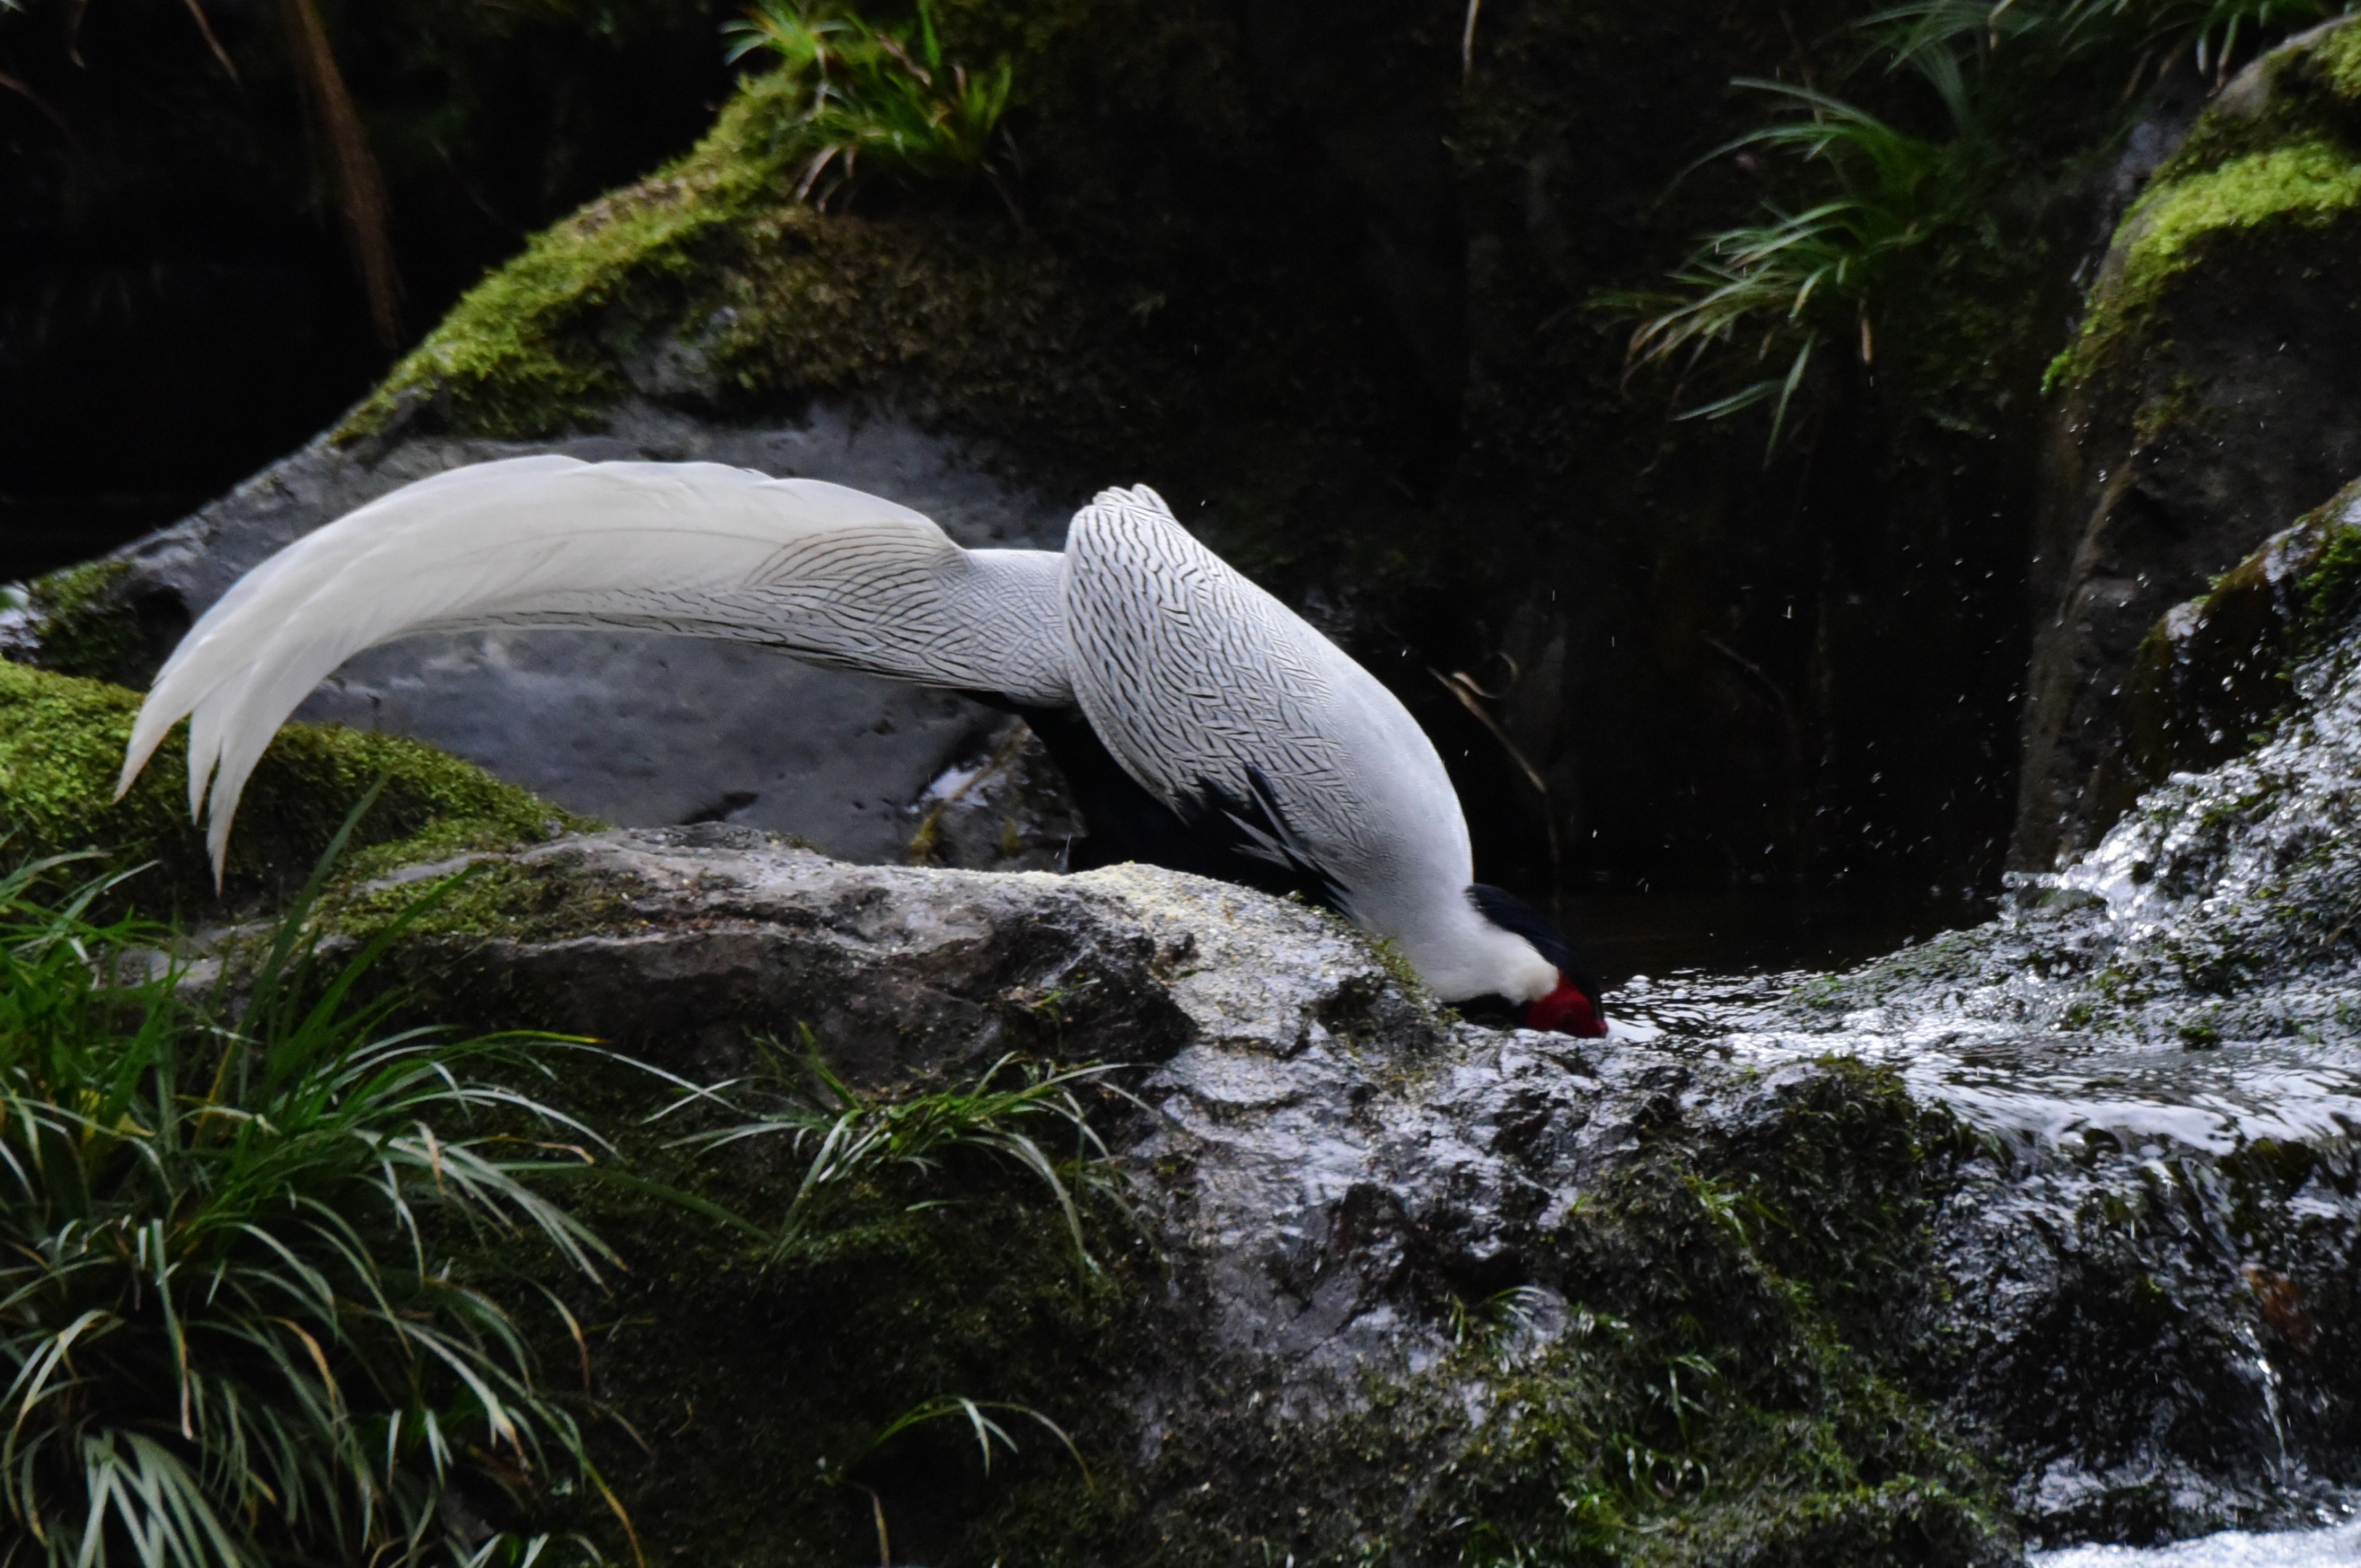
1008	1115
885	94
862	1154
231	1319
1776	291
1869	203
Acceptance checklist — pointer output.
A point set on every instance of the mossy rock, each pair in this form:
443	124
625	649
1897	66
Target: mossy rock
1702	1406
1677	1318
2276	160
2217	671
62	743
94	620
2201	406
711	280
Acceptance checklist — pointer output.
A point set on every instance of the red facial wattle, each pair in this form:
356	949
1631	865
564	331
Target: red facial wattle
1566	1009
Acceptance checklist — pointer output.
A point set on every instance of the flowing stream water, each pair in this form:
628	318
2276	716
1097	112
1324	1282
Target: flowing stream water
2333	1546
2158	1049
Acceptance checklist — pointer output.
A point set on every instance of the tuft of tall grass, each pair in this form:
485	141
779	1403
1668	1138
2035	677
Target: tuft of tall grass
883	94
1756	303
233	1322
1017	1113
1773	294
1952	40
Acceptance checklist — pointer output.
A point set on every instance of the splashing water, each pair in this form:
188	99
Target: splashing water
2334	1548
2157	1051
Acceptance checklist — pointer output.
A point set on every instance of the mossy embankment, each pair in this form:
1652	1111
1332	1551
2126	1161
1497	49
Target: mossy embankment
2275	161
61	743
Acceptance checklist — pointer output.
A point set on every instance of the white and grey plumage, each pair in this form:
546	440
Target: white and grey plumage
1203	724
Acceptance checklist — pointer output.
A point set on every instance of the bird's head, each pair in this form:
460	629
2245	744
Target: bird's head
1561	995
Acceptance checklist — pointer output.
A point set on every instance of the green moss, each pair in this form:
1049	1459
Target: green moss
2311	183
513	358
1822	993
62	743
2337	58
79	624
1732	1392
2173	229
547	900
2172	408
713	265
1725	1388
2330	589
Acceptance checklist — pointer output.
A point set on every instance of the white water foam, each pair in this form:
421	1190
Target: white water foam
2337	1548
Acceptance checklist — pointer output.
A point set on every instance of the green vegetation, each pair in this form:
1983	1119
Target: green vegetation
285	1280
848	1138
2331	586
80	628
242	1305
2310	185
62	746
723	237
1880	215
505	360
884	93
1799	281
910	1341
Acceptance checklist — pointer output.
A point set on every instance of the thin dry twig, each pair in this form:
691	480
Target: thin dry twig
352	170
1472	697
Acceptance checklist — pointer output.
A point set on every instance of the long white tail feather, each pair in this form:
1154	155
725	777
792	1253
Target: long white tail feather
827	574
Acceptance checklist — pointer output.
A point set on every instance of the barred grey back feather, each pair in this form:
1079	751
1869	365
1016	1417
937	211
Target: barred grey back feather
1210	692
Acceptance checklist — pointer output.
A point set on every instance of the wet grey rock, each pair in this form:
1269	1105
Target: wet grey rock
690	941
2161	1044
638	731
2132	1288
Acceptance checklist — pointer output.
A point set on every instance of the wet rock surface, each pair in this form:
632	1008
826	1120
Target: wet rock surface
2077	1206
634	729
2162	1045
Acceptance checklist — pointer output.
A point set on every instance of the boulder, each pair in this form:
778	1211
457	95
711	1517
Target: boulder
2040	1227
2215	673
2207	398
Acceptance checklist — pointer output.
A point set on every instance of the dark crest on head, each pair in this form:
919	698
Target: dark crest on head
1512	913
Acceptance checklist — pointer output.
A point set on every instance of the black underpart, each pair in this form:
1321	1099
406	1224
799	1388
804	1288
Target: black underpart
1512	913
1494	1012
1126	823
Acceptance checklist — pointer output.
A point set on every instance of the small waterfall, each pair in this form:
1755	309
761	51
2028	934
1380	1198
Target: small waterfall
2267	1380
